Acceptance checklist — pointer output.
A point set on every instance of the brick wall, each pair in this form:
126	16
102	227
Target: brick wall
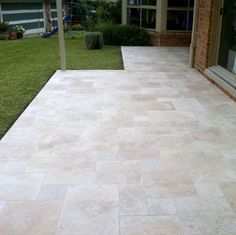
170	39
203	34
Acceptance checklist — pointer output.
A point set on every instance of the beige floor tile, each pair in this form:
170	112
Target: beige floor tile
161	206
32	217
217	204
152	164
158	131
147	225
188	159
2	206
21	178
226	225
229	191
133	200
208	190
229	153
187	104
52	192
56	164
198	222
213	175
141	154
62	177
90	210
168	184
13	151
119	172
14	166
16	192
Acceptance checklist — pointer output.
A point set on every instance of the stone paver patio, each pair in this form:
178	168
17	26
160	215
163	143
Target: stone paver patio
149	150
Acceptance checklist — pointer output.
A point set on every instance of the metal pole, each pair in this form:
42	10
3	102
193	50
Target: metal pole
61	35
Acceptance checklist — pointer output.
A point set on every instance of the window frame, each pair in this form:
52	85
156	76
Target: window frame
141	7
187	9
161	8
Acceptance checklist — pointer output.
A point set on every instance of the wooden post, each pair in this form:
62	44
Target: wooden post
61	35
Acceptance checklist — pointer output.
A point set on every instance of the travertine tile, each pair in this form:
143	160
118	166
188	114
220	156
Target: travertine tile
229	191
30	217
198	222
187	104
18	192
118	172
188	159
90	210
168	184
161	206
52	192
13	151
82	178
147	150
226	225
133	200
60	164
213	175
217	204
229	153
145	225
152	164
21	178
2	206
208	190
14	166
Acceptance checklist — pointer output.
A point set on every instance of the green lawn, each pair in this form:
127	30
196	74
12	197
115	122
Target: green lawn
26	65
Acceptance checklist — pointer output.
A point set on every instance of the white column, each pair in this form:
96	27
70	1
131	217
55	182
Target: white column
1	18
124	12
194	34
61	35
162	15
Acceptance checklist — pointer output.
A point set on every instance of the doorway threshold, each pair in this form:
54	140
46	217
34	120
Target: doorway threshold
223	78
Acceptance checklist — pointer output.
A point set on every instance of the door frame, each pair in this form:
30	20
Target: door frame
215	33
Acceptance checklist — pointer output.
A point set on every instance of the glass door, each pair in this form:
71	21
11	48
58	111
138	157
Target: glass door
227	51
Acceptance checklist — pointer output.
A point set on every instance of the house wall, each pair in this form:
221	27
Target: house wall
203	39
161	35
179	39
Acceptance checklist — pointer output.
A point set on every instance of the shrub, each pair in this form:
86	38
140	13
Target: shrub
77	27
109	12
125	35
89	23
4	27
19	29
106	11
79	35
93	40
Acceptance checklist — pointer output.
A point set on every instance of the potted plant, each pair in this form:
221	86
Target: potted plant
19	31
4	33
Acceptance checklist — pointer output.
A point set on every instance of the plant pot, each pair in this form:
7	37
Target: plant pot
12	35
19	35
4	35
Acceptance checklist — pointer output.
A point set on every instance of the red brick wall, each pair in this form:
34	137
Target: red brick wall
203	34
170	39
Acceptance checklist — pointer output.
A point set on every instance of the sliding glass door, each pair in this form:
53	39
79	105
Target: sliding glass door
227	51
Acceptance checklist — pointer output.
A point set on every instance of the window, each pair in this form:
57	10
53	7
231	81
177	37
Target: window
142	13
160	15
180	15
134	16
